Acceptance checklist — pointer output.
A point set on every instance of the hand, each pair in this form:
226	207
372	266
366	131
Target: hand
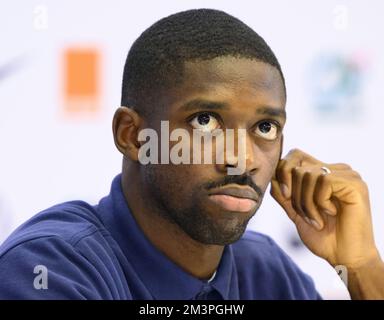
331	211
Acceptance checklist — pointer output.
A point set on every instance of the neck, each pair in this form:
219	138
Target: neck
198	259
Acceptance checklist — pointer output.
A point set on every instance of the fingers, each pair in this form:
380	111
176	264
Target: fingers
314	194
307	194
295	158
284	202
304	182
323	196
283	176
302	205
339	166
297	179
341	187
307	200
310	195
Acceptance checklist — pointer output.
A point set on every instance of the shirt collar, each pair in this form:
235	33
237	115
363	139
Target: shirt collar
163	278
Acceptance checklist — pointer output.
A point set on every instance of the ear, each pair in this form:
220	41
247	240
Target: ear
125	126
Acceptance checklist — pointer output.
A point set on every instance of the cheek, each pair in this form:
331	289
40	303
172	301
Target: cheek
274	159
172	182
271	160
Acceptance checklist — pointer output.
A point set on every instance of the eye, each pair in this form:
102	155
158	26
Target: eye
267	130
205	122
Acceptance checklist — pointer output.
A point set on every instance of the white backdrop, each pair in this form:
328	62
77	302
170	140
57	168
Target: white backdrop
331	52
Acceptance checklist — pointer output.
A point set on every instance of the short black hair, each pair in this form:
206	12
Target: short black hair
156	59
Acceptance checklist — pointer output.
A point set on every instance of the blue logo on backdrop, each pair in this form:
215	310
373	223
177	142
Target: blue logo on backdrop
336	83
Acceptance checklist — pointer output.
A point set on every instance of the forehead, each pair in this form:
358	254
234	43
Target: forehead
237	81
258	74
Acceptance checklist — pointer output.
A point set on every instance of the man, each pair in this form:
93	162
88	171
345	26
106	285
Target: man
177	231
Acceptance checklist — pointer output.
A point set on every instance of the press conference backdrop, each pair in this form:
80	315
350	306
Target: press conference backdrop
60	78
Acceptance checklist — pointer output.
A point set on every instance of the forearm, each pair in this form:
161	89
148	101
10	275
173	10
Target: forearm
367	282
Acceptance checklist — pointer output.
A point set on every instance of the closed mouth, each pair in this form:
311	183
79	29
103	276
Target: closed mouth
235	198
236	191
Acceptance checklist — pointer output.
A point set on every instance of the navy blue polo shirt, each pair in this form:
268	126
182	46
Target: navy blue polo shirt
78	251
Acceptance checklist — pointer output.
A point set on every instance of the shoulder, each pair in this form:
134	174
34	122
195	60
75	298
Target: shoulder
258	257
53	242
69	221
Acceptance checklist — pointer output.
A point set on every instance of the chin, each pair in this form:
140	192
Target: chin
223	239
224	232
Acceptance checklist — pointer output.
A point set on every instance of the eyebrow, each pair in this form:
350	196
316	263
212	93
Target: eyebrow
201	104
198	104
273	112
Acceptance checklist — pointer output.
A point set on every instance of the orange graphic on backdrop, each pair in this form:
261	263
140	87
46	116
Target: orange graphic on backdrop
81	80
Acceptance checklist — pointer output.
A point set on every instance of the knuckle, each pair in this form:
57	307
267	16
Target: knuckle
295	150
344	166
293	153
297	170
356	174
364	187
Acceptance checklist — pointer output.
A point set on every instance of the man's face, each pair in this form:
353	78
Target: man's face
223	93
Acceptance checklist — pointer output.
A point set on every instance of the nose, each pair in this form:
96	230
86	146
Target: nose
240	148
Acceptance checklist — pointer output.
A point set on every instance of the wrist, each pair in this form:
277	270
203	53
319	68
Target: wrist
364	265
371	257
365	280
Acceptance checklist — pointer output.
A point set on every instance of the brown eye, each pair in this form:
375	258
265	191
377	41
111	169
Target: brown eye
267	130
205	122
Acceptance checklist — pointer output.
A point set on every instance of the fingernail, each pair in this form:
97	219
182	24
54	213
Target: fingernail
307	220
312	222
328	212
315	224
284	190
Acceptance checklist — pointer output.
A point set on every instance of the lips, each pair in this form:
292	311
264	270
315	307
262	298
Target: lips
237	199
